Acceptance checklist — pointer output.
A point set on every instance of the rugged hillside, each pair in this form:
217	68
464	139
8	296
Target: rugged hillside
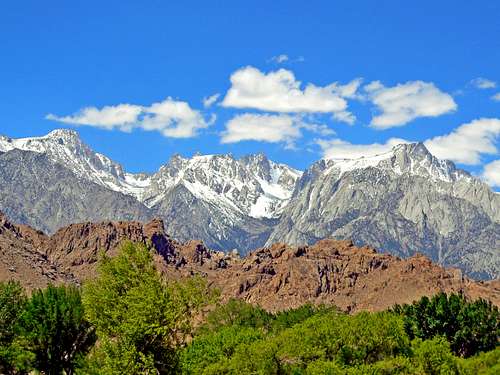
337	272
276	277
21	260
405	201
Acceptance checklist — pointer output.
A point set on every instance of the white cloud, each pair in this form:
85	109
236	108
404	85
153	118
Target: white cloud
269	128
261	127
279	91
339	149
171	118
208	101
280	59
283	58
123	116
491	173
345	116
483	83
466	143
496	97
405	102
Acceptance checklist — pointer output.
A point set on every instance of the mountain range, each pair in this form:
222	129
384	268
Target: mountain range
405	201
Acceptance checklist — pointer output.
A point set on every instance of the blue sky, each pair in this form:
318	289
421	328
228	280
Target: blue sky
296	80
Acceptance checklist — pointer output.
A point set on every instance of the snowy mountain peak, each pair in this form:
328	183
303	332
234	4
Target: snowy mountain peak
407	158
67	134
65	147
252	186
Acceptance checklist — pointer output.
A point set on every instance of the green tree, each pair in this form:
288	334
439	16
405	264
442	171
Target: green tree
469	327
12	303
487	363
54	328
434	357
140	318
236	312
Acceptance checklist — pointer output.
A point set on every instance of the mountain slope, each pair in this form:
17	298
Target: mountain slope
35	190
405	201
228	203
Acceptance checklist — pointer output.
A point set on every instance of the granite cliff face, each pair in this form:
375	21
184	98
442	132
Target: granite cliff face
404	201
277	277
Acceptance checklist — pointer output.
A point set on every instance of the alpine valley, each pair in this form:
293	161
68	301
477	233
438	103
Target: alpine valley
402	202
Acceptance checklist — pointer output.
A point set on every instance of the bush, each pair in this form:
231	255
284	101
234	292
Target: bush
482	364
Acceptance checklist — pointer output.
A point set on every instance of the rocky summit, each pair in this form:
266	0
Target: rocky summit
403	202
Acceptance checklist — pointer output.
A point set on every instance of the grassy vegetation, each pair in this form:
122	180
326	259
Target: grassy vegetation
130	320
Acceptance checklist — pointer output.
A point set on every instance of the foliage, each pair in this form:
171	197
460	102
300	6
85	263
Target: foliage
12	303
54	328
324	336
469	327
237	313
143	325
434	357
140	318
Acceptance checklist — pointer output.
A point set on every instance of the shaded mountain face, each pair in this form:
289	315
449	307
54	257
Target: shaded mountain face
278	277
37	191
404	201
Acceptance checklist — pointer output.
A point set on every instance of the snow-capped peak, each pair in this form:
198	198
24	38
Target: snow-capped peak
253	185
409	158
65	147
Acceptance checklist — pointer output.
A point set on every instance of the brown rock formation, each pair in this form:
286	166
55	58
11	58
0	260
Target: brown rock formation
277	277
20	260
336	272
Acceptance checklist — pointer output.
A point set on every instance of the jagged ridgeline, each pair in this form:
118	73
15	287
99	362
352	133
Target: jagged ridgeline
404	201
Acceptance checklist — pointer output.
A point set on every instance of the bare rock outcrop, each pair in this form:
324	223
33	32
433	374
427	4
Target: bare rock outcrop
277	277
21	261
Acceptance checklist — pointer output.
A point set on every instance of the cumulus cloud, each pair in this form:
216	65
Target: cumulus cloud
405	102
491	173
466	143
208	101
340	149
496	97
171	118
483	83
279	91
269	128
